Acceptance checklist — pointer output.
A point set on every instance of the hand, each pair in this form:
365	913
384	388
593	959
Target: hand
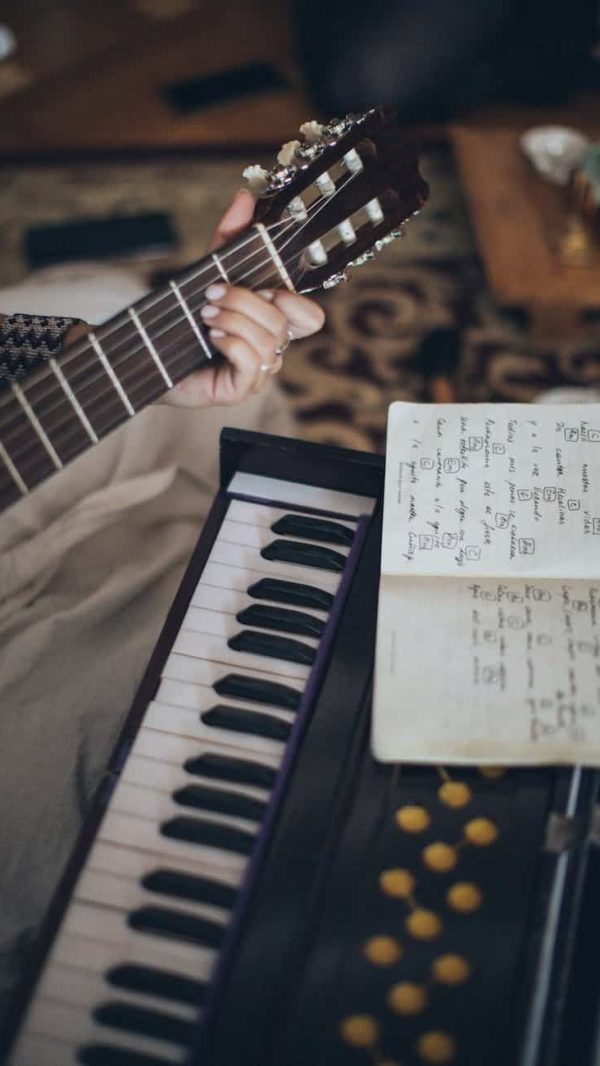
246	327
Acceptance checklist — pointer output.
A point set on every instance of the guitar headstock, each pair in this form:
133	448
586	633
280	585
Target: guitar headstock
338	195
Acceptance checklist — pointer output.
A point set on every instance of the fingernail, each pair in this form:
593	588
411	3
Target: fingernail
209	311
267	294
216	333
215	292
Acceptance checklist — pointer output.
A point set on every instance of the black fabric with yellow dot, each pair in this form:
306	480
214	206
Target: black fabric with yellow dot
426	917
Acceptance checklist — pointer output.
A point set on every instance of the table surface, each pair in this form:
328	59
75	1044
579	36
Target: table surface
517	216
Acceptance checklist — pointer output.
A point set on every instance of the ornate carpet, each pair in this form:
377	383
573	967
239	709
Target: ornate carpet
340	382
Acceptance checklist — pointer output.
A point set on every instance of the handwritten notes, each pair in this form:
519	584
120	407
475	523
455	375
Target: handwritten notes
492	489
488	644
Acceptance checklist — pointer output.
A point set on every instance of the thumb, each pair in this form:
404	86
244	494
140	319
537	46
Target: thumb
237	218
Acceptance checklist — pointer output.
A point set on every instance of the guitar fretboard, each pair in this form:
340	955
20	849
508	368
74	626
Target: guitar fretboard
100	381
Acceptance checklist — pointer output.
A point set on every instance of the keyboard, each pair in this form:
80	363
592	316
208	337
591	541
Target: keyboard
252	889
129	969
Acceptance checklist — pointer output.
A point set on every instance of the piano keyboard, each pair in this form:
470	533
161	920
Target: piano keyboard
129	969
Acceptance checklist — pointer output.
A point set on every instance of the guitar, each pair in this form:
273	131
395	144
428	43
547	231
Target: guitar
334	198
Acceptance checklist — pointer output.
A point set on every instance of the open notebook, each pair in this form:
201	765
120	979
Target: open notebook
488	641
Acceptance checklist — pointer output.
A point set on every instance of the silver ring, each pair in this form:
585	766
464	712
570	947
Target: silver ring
281	350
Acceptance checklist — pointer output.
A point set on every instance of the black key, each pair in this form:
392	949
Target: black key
257	690
153	982
255	643
176	924
214	836
256	723
188	886
282	620
214	799
290	551
299	525
270	588
224	768
105	1055
150	1023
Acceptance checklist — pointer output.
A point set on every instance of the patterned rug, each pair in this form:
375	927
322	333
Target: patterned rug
340	382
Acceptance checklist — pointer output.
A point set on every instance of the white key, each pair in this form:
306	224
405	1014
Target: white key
224	575
200	698
110	927
159	807
187	723
216	624
98	957
203	672
132	832
32	1050
176	750
259	514
259	537
134	864
231	601
78	1028
128	895
65	984
277	490
249	560
215	649
164	777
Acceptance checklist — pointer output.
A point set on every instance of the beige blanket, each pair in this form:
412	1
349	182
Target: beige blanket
89	565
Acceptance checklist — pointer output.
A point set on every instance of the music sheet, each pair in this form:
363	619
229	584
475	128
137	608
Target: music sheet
488	645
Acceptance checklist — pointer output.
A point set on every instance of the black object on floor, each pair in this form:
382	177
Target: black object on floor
249	80
100	238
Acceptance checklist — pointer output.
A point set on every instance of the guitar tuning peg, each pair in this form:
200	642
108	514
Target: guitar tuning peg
311	131
389	237
335	279
287	153
257	178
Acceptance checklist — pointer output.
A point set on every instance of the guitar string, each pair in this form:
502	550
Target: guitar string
28	469
83	380
52	415
314	210
29	458
129	381
74	350
60	434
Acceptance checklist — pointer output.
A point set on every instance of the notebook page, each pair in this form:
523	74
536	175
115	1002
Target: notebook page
487	671
492	489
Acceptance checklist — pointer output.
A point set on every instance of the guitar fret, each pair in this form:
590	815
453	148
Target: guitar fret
31	415
220	267
149	345
111	374
74	401
10	466
275	255
190	318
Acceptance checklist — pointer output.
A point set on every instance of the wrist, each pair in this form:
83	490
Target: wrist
27	341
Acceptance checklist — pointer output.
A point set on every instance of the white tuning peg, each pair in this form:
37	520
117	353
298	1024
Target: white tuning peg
311	131
286	153
257	178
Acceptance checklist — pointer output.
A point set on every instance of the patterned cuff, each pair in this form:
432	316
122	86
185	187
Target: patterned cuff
28	340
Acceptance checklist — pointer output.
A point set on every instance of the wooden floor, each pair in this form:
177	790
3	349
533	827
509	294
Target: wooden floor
90	74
